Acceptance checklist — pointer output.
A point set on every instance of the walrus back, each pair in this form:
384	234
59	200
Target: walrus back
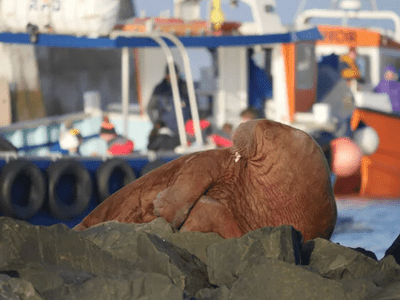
134	202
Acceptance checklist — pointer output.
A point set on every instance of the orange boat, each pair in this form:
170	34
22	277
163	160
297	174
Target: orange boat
379	175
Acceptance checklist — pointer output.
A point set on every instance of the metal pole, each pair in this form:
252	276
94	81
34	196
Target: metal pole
125	88
190	86
174	83
175	91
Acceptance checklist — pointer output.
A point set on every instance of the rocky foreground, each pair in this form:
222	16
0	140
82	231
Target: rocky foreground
150	262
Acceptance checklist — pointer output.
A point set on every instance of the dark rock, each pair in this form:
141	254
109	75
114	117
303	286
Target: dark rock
120	239
275	279
387	272
50	277
220	293
368	253
152	253
160	256
337	262
113	230
394	250
227	260
137	286
17	289
391	292
10	273
22	243
195	242
149	261
56	283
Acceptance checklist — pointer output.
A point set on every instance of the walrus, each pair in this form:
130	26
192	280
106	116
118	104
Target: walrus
273	175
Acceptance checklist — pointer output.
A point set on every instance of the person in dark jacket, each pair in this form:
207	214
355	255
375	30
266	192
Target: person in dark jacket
161	105
162	138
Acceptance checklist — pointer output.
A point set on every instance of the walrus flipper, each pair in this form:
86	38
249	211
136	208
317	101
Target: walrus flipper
175	202
209	215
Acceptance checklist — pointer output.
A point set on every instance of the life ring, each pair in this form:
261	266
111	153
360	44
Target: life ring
113	175
152	166
22	189
70	189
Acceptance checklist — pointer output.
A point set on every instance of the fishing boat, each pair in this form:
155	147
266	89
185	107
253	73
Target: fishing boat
379	175
45	188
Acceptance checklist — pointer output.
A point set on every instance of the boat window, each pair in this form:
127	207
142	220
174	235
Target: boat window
363	63
305	66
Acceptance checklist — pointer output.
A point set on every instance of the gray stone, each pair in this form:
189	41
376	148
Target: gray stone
360	288
50	277
387	272
220	293
227	260
137	286
195	242
160	256
17	289
22	243
117	253
120	238
152	253
275	279
337	262
114	230
391	292
56	283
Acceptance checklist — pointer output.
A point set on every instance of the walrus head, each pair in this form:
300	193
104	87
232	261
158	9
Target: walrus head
289	171
257	139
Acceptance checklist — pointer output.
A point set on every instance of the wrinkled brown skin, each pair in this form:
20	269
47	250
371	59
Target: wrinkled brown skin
281	178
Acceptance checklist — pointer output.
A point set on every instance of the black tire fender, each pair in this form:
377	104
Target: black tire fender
106	171
9	174
82	189
152	166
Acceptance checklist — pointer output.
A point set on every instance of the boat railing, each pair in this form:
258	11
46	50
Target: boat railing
158	37
48	121
303	18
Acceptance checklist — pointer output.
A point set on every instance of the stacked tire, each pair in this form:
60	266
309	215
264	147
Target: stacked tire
23	189
66	184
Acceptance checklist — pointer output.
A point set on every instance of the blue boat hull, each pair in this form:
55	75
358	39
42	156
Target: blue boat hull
65	188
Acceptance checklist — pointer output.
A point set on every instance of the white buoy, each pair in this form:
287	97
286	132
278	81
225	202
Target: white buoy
367	139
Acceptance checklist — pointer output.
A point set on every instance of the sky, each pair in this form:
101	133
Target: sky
286	9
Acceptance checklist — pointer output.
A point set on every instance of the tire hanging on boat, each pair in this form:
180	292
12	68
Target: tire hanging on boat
152	166
22	189
113	175
68	201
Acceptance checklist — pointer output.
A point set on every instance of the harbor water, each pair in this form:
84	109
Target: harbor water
369	224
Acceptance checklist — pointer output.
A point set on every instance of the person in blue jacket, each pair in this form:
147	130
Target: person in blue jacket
260	87
390	86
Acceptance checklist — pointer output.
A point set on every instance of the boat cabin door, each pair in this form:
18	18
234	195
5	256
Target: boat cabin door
294	73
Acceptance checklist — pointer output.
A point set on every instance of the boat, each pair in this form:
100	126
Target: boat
379	174
46	188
